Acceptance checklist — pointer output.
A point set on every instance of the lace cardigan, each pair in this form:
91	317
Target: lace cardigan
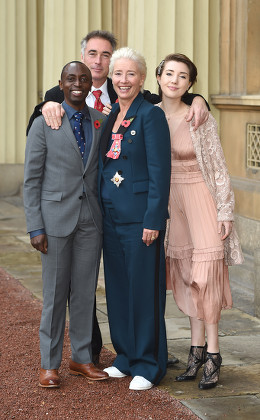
213	166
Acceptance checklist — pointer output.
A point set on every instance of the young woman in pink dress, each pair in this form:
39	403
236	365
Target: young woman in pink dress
201	240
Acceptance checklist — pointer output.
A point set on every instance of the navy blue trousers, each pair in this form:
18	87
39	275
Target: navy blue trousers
135	291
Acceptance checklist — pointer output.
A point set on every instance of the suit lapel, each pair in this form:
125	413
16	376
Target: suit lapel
106	135
95	142
66	127
111	92
134	107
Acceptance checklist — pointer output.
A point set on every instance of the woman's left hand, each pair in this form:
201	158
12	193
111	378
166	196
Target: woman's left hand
224	228
149	236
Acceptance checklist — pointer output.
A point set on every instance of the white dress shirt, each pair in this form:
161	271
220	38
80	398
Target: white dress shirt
90	99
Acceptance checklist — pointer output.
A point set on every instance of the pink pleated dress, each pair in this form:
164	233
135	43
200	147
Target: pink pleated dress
198	275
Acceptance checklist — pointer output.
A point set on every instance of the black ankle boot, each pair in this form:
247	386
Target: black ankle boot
197	357
211	371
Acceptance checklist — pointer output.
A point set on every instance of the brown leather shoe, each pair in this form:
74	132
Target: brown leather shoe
89	370
49	378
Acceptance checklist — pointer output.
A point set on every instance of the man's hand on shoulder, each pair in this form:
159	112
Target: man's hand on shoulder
199	111
107	109
53	113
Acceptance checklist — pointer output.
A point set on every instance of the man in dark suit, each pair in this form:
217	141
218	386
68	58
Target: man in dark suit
96	50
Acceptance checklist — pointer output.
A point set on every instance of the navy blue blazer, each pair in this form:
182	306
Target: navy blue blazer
144	163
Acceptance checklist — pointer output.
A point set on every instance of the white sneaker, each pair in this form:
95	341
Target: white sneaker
139	383
113	372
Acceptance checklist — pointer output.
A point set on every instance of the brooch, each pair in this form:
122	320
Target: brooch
117	179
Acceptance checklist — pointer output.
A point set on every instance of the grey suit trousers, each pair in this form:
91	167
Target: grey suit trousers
72	263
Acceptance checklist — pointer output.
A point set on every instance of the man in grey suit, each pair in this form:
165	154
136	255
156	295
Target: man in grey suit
65	224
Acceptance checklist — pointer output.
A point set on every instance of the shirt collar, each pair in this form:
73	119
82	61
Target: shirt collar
71	111
103	88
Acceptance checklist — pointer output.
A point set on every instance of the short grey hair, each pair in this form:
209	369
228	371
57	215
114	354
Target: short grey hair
130	54
107	36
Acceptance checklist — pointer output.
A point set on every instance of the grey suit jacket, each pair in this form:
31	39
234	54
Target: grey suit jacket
55	178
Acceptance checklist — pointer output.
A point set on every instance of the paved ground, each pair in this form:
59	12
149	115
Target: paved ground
238	394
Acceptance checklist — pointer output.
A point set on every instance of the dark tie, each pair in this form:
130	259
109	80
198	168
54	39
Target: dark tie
98	104
79	133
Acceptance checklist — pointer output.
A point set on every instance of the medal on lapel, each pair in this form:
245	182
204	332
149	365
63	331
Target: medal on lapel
117	179
115	149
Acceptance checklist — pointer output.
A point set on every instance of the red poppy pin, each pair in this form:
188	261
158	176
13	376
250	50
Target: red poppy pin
97	123
126	123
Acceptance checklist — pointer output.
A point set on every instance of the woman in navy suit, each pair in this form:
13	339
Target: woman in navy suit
134	176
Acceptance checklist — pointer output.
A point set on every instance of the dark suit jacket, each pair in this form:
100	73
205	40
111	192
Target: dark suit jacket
56	95
142	197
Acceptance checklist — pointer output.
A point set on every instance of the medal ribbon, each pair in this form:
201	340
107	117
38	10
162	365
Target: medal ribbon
115	148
